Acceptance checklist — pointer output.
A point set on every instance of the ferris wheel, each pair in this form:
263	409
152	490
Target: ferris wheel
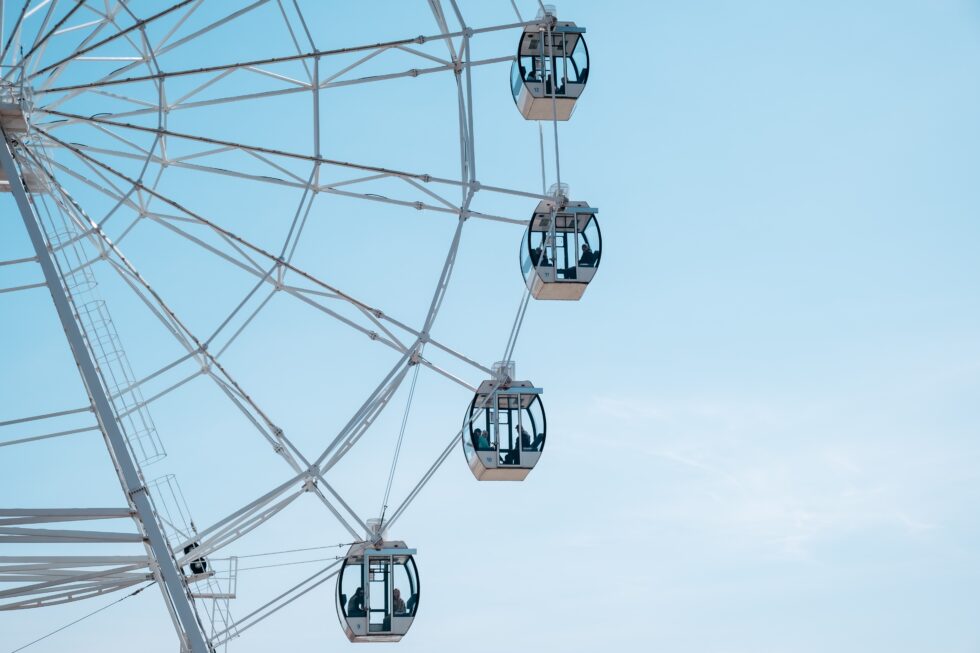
127	118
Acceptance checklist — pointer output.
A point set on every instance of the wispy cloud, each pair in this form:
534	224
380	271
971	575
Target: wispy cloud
771	476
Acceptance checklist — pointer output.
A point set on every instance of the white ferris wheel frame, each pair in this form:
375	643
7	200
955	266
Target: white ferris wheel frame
59	579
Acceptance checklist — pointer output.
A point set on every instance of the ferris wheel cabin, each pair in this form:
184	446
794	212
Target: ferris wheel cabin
561	250
377	591
504	430
550	72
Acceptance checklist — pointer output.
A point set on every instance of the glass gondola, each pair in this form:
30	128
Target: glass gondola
550	71
561	250
504	430
377	591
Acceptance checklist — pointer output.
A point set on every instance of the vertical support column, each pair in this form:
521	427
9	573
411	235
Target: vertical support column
192	637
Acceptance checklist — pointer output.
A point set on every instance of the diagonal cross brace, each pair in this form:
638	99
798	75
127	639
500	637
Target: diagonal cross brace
175	589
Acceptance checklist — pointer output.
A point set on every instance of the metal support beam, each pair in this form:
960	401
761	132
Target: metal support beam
175	590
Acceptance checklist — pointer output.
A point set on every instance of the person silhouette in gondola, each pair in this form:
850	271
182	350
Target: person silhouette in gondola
527	443
481	440
355	607
539	257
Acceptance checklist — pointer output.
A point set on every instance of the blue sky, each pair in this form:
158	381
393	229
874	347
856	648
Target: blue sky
762	415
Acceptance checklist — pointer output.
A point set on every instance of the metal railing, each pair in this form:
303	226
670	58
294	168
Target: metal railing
216	584
74	255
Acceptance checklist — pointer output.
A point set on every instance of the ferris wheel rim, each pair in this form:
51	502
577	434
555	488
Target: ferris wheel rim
467	184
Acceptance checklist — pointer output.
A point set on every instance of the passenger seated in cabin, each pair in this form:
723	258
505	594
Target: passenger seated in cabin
511	457
530	445
397	603
355	607
538	257
200	565
413	601
588	258
535	73
481	440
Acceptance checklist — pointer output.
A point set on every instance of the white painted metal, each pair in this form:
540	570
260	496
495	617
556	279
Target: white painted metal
501	454
43	168
373	565
555	232
129	476
544	55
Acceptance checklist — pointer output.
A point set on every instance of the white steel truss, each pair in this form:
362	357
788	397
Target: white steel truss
135	146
